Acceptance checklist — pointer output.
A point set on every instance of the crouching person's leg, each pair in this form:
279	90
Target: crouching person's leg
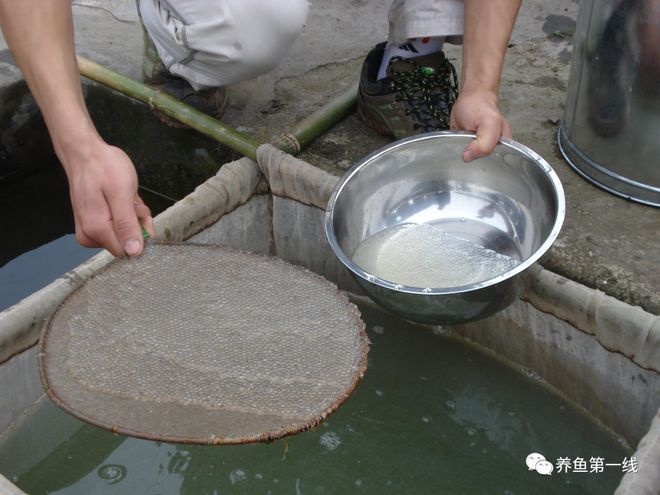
196	47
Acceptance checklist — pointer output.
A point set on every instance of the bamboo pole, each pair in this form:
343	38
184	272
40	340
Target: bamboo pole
171	107
291	142
315	124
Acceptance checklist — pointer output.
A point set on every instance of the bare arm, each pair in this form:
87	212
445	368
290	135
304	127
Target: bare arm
488	26
102	179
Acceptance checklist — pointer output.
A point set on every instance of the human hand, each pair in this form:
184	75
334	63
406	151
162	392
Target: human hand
107	209
479	112
102	181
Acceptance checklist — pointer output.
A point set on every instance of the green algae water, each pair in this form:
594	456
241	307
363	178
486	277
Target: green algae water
431	416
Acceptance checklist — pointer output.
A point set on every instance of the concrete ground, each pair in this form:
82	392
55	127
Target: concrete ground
607	242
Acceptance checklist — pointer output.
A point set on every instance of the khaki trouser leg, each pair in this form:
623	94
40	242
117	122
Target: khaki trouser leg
218	42
426	18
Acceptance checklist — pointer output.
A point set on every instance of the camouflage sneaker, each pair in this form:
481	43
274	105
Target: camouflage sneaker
212	102
416	96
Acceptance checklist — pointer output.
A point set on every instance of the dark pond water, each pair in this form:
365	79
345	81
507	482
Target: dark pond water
432	416
36	228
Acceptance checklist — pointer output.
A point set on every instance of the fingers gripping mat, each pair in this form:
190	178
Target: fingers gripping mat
203	344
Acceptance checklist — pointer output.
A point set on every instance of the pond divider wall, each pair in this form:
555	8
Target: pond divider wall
599	352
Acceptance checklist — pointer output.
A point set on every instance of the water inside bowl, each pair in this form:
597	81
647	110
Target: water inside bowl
424	255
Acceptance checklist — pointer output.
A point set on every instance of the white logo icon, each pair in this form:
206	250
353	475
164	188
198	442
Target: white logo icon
536	462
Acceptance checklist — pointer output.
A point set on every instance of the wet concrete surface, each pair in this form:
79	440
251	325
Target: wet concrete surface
607	242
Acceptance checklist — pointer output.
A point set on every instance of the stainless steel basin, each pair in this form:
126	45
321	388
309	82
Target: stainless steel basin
510	202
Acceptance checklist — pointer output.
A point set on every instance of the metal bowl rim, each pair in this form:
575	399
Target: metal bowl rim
428	291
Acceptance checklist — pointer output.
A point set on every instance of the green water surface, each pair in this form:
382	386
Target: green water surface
432	416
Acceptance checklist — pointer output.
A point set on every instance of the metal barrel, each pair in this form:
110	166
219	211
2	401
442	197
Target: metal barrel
610	133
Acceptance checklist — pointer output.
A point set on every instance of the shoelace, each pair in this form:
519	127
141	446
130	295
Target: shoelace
429	93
